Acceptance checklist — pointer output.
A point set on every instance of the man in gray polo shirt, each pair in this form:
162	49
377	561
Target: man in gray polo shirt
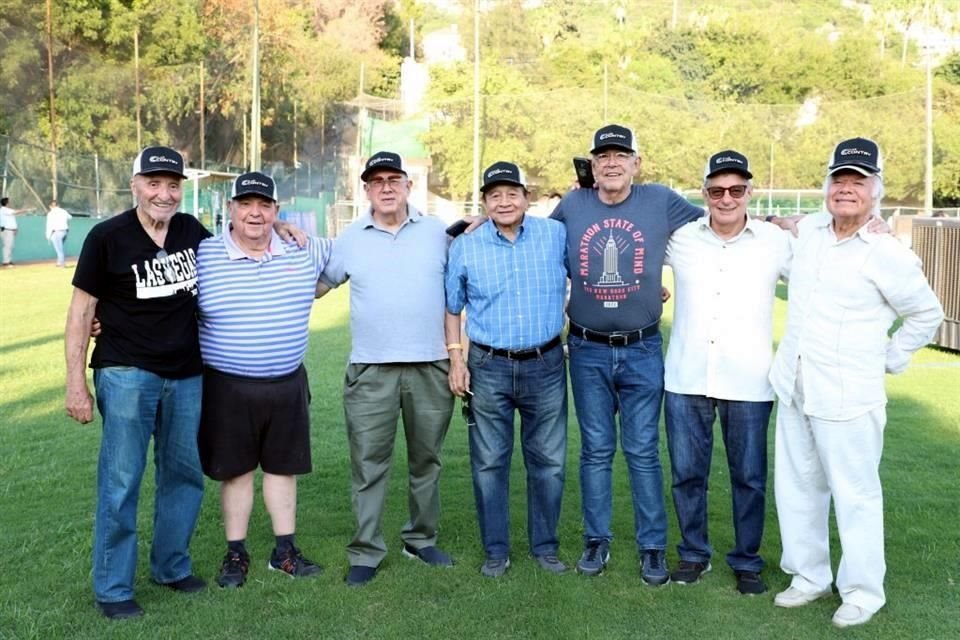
394	257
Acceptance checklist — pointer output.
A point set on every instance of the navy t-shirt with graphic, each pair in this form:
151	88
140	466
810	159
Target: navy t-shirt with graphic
615	254
146	303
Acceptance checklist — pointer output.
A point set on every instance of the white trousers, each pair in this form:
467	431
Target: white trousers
816	460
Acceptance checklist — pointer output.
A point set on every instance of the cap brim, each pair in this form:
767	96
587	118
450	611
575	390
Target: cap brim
612	145
369	172
861	169
253	194
490	185
153	172
743	172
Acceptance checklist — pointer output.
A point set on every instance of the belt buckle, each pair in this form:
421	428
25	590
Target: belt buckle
617	340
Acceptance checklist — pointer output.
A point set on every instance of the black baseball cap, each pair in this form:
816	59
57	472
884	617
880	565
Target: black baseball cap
382	160
727	161
859	154
254	184
503	173
158	160
615	136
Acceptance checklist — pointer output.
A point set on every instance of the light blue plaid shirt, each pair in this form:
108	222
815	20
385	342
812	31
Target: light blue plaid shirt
513	291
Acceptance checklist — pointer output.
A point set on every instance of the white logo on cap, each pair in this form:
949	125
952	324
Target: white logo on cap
248	182
604	136
728	159
497	172
162	159
854	152
374	161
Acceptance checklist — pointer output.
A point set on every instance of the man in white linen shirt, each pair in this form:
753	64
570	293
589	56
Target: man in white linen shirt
847	287
726	267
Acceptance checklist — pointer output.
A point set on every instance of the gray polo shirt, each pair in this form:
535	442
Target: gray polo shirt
396	288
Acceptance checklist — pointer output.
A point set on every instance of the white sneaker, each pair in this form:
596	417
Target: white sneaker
793	597
850	615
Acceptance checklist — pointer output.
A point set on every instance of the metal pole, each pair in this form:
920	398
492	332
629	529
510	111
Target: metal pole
53	117
296	164
255	97
96	179
6	164
136	82
203	123
770	190
928	167
606	90
673	20
476	107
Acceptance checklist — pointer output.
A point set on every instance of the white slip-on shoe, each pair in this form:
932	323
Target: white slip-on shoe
793	597
850	615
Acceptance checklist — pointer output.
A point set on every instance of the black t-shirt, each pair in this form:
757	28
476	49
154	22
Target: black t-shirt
146	303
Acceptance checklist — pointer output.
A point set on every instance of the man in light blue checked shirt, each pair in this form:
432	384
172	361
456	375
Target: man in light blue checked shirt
512	279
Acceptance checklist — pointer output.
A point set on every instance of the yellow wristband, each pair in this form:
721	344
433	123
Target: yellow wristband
454	346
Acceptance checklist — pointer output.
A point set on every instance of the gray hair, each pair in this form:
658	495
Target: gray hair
876	193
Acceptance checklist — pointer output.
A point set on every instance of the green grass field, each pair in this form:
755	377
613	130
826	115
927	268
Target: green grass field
47	473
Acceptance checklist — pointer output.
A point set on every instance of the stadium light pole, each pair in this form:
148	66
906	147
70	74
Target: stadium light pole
928	164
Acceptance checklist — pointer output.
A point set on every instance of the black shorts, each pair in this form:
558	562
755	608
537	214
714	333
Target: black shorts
245	422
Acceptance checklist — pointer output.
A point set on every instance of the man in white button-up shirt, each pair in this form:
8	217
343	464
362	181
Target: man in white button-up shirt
847	287
726	267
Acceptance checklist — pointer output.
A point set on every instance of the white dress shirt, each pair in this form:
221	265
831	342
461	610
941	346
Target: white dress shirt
721	343
844	298
57	220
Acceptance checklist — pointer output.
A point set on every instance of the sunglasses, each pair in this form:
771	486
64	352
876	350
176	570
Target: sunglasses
168	272
736	191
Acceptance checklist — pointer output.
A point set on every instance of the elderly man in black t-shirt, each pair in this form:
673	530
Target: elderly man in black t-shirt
137	273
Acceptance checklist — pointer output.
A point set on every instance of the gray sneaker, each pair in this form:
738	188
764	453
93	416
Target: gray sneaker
653	567
551	563
595	557
495	567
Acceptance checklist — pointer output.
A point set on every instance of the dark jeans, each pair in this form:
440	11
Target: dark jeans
537	390
690	441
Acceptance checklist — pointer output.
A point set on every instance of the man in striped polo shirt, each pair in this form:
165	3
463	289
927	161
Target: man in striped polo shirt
255	295
512	279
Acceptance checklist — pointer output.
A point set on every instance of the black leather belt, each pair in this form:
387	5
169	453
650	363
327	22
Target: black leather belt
614	338
523	354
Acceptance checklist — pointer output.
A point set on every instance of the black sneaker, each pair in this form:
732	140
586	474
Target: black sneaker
750	583
689	572
594	558
292	563
120	610
233	571
190	584
653	567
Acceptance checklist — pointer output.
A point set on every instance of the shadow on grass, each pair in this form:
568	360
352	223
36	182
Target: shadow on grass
10	347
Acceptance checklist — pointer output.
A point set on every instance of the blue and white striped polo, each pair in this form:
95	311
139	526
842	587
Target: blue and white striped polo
254	313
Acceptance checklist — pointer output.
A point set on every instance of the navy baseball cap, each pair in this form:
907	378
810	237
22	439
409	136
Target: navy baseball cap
859	154
383	160
503	173
727	161
254	184
158	160
615	136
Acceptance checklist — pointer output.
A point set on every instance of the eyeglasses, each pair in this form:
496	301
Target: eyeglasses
620	157
168	272
737	191
379	183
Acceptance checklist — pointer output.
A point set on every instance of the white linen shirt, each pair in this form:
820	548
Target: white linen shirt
844	298
721	343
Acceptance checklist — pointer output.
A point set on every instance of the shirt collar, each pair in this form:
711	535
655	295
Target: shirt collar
413	215
234	252
704	225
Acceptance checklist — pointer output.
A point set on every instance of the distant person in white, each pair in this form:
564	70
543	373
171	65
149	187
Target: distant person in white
58	224
847	287
726	267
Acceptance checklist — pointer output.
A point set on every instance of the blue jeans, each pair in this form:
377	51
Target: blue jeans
57	238
537	389
690	441
629	380
136	404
